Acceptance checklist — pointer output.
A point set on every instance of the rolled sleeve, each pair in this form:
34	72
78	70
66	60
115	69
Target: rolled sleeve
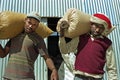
111	64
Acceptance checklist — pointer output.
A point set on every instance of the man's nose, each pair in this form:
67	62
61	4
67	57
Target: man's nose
97	30
30	26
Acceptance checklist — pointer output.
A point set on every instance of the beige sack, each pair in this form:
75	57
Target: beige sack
79	23
12	23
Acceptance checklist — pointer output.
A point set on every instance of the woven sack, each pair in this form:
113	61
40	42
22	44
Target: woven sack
79	22
12	23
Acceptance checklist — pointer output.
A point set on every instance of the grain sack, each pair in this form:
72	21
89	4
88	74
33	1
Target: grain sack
78	23
12	23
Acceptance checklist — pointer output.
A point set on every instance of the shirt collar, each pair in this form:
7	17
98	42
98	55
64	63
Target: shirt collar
93	38
96	36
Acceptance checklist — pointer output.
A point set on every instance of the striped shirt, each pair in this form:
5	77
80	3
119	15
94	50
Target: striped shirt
23	53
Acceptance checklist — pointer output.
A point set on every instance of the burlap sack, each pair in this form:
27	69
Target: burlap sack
79	22
12	23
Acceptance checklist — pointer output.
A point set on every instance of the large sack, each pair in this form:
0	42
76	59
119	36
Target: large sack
12	23
79	23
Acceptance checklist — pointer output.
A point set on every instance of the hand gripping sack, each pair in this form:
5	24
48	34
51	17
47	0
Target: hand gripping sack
12	23
79	23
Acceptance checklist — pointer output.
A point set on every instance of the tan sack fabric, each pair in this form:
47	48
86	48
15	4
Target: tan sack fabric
12	23
79	22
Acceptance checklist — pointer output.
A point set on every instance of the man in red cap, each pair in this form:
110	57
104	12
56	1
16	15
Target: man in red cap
94	50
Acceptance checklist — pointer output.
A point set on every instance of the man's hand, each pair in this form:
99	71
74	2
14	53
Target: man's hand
63	26
54	75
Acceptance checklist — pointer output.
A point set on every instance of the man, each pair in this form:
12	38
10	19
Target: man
94	51
23	51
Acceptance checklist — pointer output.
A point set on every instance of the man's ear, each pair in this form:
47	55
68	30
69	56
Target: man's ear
25	19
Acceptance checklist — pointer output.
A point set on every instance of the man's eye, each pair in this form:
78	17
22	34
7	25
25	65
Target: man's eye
29	22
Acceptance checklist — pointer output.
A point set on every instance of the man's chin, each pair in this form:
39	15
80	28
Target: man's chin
27	31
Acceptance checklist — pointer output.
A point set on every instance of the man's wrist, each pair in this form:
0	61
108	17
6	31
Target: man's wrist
53	69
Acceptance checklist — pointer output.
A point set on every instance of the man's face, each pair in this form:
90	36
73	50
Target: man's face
97	29
30	25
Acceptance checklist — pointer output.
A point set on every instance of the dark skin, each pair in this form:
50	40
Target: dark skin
96	29
31	25
4	51
63	26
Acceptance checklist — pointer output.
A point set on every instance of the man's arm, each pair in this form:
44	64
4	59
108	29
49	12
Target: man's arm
66	47
51	66
111	64
4	51
44	53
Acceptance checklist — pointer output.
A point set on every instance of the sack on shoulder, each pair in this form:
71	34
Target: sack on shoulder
12	23
79	23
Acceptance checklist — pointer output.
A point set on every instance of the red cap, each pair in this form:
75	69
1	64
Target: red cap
105	18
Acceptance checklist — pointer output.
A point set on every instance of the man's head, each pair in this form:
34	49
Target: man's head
97	29
32	22
102	22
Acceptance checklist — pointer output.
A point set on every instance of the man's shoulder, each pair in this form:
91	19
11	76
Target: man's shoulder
36	37
107	40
